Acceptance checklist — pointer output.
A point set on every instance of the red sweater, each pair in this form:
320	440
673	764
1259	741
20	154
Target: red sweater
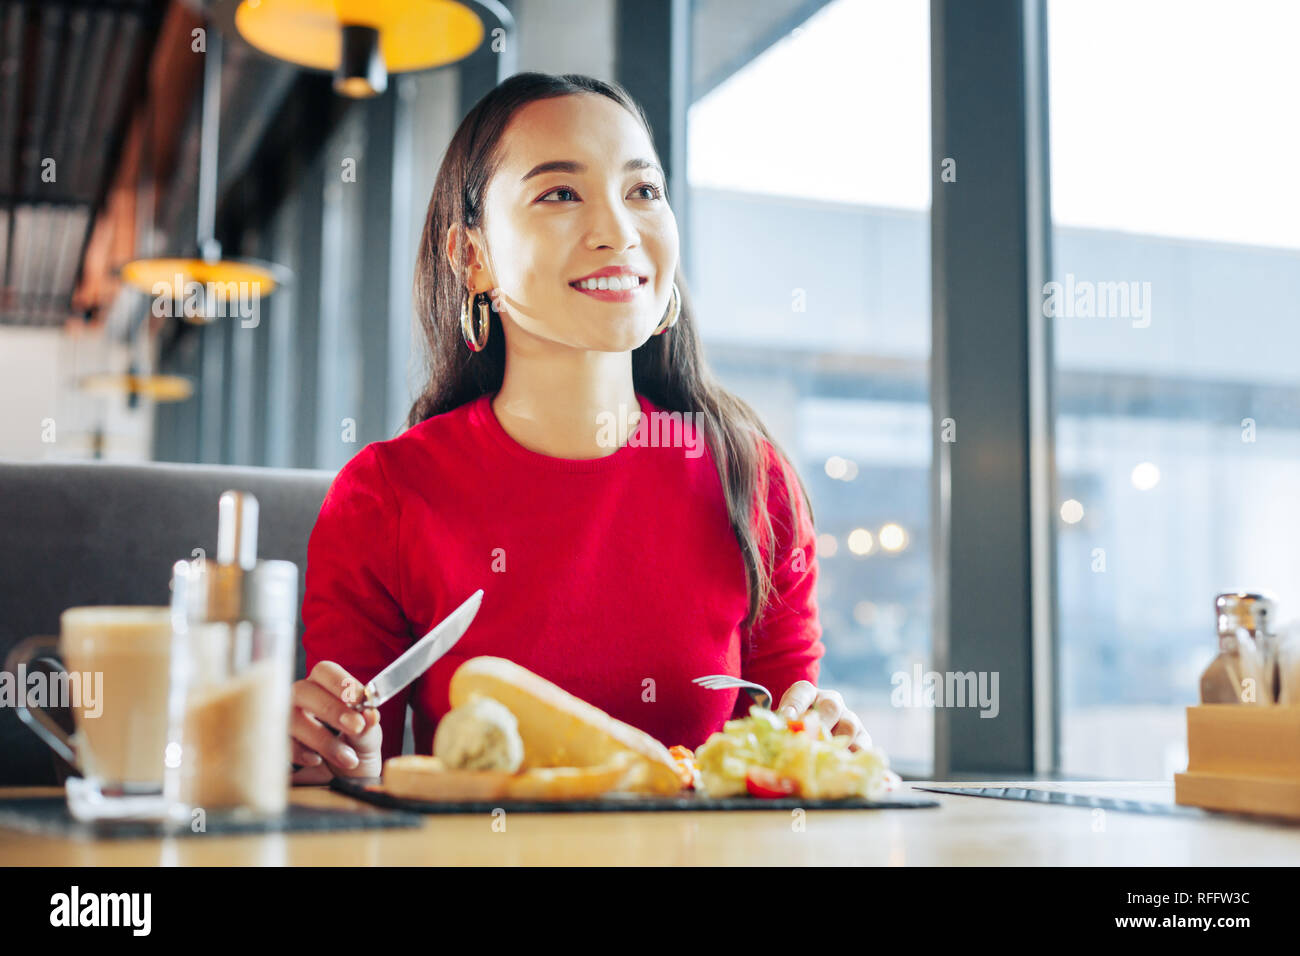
617	578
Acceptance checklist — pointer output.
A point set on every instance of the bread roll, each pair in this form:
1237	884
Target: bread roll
561	730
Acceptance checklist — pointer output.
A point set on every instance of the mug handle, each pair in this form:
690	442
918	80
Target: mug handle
33	650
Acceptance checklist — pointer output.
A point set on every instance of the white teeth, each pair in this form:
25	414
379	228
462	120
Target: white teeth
615	283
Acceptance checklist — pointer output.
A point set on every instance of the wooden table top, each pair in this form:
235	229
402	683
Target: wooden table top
963	830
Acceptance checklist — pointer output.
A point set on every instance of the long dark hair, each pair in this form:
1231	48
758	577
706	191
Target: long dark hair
669	369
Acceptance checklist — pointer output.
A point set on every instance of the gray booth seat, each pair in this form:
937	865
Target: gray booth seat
85	533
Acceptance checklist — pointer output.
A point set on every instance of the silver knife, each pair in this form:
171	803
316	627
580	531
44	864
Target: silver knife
421	656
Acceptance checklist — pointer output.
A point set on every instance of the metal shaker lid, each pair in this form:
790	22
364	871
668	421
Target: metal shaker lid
1249	611
237	529
236	555
236	586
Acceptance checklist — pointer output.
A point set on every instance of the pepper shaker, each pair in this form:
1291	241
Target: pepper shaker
1245	670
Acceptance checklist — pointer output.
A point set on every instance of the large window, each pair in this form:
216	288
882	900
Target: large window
1177	249
808	255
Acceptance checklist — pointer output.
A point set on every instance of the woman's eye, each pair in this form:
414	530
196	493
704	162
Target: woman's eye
557	189
654	190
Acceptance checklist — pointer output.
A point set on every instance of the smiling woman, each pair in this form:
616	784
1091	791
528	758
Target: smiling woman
534	231
550	295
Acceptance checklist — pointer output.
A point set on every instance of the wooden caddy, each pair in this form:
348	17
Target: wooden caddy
1242	758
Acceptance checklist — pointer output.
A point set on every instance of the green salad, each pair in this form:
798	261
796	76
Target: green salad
766	755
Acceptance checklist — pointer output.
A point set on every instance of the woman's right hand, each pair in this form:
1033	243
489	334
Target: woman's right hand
324	698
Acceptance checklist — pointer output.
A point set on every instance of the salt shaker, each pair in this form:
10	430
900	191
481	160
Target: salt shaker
1244	672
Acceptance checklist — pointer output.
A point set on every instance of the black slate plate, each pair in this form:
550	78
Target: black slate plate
1058	798
49	816
360	788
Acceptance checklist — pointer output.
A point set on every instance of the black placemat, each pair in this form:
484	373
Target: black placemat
1060	798
361	788
49	816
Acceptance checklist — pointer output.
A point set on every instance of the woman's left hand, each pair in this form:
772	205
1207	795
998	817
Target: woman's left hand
804	696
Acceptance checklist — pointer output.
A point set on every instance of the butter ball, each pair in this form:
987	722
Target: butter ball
482	734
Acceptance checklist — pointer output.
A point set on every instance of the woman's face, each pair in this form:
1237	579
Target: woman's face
579	190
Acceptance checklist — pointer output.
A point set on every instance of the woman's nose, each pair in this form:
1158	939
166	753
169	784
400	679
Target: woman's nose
611	227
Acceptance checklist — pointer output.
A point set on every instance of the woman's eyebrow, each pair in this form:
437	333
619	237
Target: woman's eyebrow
569	166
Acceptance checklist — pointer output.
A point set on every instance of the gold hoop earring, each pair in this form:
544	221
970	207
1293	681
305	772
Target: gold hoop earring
674	310
475	342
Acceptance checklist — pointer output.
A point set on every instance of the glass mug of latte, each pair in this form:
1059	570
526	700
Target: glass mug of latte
114	677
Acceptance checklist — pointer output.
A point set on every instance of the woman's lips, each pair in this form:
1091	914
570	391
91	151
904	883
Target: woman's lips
611	295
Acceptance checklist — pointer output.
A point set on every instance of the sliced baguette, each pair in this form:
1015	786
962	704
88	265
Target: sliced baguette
421	777
561	730
571	783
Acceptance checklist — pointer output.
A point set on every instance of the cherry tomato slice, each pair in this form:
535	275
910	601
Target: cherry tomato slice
761	782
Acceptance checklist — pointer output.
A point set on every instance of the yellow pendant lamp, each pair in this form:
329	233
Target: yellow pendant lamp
210	279
360	41
137	382
159	388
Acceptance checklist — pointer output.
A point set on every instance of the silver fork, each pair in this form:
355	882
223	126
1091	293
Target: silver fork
762	696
